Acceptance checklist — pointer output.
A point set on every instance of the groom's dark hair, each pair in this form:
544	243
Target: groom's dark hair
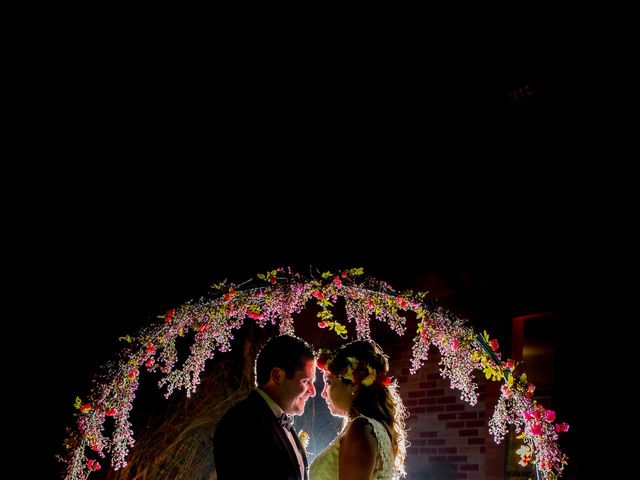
287	352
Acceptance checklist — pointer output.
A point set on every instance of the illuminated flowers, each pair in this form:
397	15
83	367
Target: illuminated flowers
275	297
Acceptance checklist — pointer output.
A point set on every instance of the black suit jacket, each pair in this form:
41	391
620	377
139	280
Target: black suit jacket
250	444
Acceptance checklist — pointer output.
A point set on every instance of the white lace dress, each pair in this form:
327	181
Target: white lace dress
325	465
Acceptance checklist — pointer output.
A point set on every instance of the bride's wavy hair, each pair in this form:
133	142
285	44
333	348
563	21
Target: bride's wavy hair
377	394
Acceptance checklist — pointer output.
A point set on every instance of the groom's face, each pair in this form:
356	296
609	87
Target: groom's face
295	391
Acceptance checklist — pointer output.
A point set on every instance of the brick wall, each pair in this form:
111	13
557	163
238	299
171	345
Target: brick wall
449	438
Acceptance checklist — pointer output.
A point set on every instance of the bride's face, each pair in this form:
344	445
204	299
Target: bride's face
337	394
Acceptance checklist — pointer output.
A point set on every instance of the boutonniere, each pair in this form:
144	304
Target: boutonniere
304	440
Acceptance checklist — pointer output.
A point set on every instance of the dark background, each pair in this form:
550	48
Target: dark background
179	164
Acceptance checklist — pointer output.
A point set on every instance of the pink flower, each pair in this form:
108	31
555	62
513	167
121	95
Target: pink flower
337	282
455	344
344	274
562	427
323	324
536	429
528	415
550	416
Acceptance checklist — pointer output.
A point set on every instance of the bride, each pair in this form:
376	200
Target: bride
372	442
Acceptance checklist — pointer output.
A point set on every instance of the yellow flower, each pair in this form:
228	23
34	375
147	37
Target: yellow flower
347	372
304	440
368	381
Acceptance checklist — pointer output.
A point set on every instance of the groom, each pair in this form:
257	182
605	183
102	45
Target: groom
254	439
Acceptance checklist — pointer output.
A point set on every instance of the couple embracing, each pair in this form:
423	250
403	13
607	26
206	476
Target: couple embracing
255	438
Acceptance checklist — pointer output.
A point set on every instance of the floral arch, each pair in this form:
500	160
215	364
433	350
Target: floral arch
272	298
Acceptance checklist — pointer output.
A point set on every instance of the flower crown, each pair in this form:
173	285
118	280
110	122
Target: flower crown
355	371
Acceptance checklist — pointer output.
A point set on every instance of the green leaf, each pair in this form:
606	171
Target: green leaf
220	286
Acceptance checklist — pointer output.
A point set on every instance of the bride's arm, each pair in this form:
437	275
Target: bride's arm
358	451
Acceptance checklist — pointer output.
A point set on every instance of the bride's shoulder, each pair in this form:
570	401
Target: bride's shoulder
360	432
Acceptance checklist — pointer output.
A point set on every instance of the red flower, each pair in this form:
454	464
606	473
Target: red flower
323	324
169	315
401	302
494	345
85	408
385	380
93	465
509	364
255	316
562	427
337	282
149	362
344	274
317	294
322	360
133	373
111	412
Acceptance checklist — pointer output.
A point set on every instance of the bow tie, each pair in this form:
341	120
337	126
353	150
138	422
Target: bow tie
286	421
